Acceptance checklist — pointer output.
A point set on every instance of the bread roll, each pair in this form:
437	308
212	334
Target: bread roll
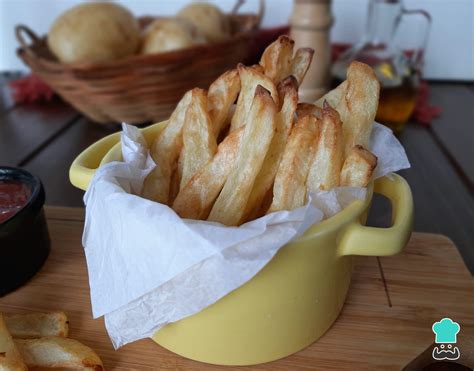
94	32
164	35
208	19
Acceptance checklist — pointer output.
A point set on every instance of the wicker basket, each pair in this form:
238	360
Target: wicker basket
140	88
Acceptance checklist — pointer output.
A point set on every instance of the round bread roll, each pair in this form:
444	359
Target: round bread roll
94	32
164	35
208	19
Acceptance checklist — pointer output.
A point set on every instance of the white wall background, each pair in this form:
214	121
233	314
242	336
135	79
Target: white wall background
450	53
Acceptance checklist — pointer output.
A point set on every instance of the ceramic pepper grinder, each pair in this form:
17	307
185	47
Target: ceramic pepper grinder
309	27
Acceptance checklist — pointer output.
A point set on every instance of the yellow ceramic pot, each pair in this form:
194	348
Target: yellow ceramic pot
293	300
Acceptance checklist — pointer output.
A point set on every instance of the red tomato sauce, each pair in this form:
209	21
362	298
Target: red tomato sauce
13	196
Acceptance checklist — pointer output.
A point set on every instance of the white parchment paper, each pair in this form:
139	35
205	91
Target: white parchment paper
148	267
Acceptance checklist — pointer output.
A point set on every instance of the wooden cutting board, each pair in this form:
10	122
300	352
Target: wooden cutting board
385	324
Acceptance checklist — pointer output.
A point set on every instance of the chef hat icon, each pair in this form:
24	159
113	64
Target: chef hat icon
446	331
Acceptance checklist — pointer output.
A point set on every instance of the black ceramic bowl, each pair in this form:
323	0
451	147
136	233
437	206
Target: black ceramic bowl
24	239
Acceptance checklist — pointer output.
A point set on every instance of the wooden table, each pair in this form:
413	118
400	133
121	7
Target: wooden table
44	139
384	325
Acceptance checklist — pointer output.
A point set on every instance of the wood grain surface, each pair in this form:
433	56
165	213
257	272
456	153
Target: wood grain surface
453	129
442	201
28	128
386	321
54	160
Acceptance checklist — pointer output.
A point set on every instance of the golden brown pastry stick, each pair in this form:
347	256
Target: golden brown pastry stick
277	59
358	167
301	62
176	179
221	95
250	78
258	133
10	357
199	141
308	109
288	93
327	163
58	352
195	199
289	190
334	96
165	151
36	325
356	100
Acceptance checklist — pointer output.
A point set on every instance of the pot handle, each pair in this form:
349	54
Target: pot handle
358	239
84	166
